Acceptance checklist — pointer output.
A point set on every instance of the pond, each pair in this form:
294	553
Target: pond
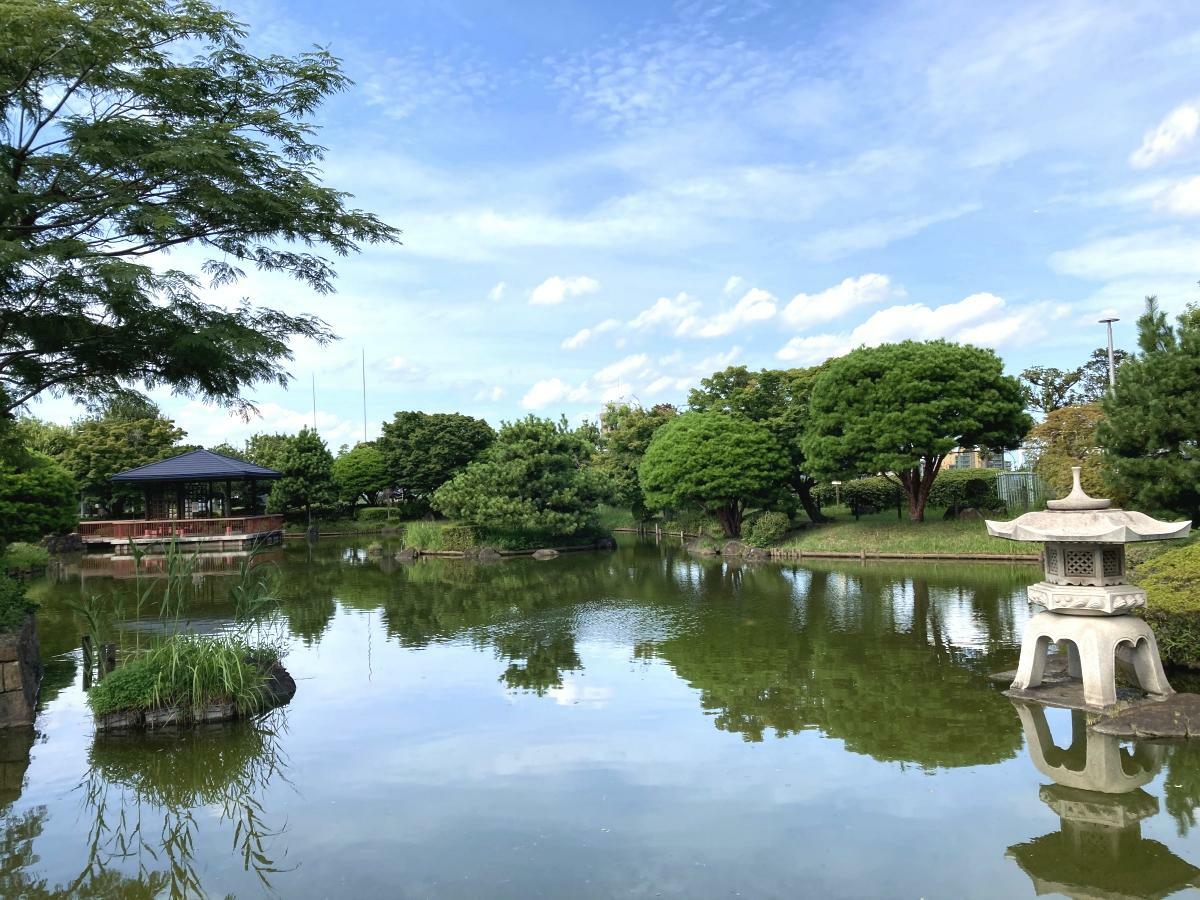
636	723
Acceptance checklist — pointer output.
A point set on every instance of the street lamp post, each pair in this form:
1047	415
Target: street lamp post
837	493
1112	364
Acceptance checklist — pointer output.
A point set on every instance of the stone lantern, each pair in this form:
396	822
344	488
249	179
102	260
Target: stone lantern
1087	600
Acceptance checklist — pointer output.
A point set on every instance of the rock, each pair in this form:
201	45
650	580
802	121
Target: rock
606	543
1178	716
408	554
735	548
970	514
63	543
488	554
700	548
545	553
118	721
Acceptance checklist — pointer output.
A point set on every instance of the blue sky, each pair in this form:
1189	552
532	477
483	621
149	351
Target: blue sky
605	200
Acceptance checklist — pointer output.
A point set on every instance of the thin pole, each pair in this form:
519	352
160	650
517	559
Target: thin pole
314	395
364	379
1112	363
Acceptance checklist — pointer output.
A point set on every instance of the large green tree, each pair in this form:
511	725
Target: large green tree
129	128
307	468
776	398
625	432
120	438
423	451
536	477
898	409
1152	435
37	497
717	462
1067	437
360	474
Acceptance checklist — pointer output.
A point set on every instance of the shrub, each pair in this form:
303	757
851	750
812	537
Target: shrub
960	488
769	528
37	497
876	492
22	557
1172	583
14	607
373	514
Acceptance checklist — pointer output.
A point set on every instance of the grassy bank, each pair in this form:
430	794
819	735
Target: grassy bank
883	533
875	533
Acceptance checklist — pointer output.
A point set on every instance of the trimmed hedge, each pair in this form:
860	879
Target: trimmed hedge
1172	583
960	488
875	491
373	514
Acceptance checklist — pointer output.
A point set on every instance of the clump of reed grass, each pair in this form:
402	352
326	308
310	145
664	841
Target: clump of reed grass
188	671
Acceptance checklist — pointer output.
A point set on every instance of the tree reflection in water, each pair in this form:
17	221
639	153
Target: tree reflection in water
142	792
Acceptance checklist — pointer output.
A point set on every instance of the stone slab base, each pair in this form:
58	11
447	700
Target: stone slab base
1178	716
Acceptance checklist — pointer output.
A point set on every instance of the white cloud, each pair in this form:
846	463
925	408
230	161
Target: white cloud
756	306
209	425
622	368
545	392
555	289
1156	253
670	310
806	310
493	393
583	335
401	368
497	292
808	351
733	285
1171	137
981	318
1182	198
875	233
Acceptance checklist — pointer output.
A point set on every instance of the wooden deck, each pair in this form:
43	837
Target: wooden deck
219	533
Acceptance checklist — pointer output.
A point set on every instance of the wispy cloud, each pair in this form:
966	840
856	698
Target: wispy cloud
1172	136
555	290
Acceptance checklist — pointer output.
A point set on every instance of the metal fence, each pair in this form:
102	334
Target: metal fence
1021	490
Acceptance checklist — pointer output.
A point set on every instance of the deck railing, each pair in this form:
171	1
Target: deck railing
125	529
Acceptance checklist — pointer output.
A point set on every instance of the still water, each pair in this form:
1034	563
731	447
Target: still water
639	724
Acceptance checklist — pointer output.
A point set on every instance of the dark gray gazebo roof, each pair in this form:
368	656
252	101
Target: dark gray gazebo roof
198	465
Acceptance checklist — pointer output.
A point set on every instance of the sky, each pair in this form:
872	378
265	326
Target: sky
605	201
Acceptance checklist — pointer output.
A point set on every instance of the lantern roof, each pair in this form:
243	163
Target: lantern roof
1083	519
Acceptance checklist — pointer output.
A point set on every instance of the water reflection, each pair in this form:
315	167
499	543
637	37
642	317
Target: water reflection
1098	796
145	794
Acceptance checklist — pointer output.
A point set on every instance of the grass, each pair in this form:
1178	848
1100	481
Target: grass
23	557
883	533
193	671
185	670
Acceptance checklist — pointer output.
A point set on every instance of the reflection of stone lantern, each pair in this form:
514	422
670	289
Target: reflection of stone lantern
1097	795
1086	597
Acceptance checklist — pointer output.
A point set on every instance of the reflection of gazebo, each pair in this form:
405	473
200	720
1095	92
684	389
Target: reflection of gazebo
197	497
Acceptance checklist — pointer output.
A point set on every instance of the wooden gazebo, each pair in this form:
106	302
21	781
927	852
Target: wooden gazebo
199	497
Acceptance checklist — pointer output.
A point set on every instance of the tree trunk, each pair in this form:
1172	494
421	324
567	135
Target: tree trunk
803	489
917	483
730	517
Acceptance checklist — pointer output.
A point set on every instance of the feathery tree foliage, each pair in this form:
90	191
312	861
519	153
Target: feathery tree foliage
716	462
129	128
776	398
1152	436
1068	437
535	477
898	409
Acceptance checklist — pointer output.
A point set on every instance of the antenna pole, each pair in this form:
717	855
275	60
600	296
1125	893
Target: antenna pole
364	379
314	398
